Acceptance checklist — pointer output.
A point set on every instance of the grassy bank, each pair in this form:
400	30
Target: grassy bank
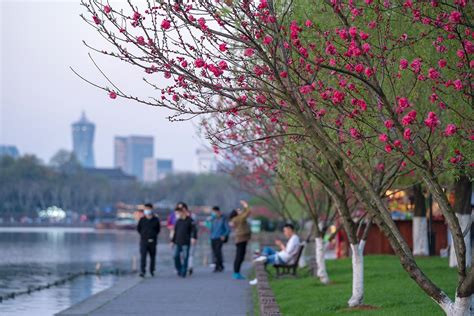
388	288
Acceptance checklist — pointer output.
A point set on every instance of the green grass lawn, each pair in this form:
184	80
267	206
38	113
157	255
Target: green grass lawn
387	287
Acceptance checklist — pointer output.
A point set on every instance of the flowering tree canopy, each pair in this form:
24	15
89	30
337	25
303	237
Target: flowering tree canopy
350	78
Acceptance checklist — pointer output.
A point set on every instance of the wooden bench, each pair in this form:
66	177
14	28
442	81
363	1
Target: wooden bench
287	269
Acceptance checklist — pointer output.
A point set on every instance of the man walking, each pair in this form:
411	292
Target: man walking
192	248
219	235
184	229
148	227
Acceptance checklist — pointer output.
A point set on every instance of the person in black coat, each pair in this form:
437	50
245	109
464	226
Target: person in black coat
184	230
148	227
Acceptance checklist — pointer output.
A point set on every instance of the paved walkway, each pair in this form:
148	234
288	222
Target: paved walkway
204	293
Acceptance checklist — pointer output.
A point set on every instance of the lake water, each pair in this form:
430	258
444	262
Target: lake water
31	257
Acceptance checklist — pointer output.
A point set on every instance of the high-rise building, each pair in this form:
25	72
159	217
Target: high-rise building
156	169
207	161
164	167
83	140
8	150
131	152
120	153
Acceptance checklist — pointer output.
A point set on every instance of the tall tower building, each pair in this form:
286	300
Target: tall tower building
83	140
130	153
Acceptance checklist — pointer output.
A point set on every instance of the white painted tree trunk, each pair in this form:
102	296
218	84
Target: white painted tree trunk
464	222
420	236
302	261
460	306
321	260
357	274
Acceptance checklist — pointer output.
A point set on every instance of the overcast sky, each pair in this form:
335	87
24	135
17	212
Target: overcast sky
41	97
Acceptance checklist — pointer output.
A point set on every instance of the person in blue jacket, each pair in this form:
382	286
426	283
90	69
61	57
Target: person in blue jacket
219	235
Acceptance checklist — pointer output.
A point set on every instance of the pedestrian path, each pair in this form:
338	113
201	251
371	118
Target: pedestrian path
204	293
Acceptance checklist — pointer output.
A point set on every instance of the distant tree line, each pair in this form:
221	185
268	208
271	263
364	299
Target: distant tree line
27	185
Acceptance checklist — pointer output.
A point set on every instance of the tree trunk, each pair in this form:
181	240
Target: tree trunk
460	306
357	274
321	273
420	226
462	207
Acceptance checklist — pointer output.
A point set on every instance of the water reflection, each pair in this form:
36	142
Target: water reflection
51	301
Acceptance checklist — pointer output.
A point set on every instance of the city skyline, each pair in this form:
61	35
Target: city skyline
40	100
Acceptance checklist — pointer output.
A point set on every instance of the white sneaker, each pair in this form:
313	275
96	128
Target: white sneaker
261	259
253	282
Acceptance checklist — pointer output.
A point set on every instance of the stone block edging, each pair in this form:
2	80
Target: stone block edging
266	298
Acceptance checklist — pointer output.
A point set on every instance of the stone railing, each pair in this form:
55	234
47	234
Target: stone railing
266	298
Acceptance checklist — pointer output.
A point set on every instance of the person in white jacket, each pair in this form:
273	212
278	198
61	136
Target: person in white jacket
286	253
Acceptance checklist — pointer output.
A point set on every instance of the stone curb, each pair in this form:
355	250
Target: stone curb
266	298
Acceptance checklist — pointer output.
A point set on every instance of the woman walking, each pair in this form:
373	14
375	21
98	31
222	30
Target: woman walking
242	234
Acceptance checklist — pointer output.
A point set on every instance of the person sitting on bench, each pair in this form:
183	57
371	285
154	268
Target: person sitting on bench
287	252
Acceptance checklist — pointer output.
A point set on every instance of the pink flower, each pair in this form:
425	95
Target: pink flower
409	118
363	35
450	130
388	148
96	20
223	47
175	98
455	17
416	65
199	63
249	52
283	74
267	40
383	138
338	97
261	99
184	64
397	143
403	63
362	104
107	9
354	133
433	74
369	72
223	65
458	84
307	89
359	68
432	120
308	23
165	24
331	49
388	124
258	70
112	95
366	47
353	31
403	104
407	134
442	63
141	40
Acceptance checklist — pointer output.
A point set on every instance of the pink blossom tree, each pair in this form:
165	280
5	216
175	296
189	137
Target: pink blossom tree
357	85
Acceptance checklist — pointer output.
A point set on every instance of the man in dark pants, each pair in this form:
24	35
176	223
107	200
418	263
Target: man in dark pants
184	229
219	234
148	228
